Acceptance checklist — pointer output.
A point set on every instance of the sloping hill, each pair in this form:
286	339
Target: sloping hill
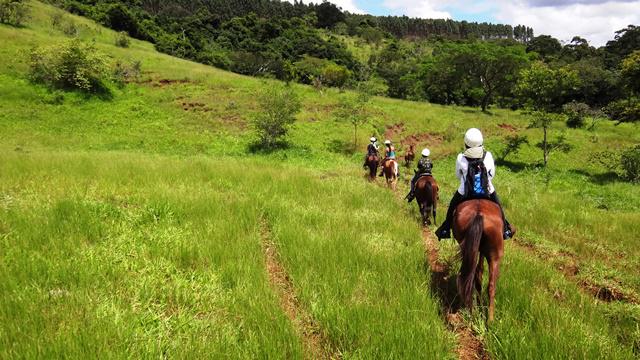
140	224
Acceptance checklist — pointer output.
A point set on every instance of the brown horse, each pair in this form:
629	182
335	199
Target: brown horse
390	171
372	164
427	197
478	226
409	156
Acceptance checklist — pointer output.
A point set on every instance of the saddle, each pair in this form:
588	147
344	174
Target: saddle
422	174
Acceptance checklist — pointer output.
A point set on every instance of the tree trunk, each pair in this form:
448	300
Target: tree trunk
545	150
485	103
355	137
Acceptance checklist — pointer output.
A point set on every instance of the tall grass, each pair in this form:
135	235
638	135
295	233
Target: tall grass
131	227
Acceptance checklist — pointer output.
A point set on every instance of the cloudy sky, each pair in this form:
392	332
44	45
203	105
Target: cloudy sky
595	20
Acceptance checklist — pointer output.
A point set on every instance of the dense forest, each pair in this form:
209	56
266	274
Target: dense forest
437	60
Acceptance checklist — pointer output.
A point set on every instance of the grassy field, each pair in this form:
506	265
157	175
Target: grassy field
134	226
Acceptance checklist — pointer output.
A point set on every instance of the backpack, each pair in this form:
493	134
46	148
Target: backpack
476	184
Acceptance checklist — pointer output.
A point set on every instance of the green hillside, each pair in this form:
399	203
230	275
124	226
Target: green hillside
140	225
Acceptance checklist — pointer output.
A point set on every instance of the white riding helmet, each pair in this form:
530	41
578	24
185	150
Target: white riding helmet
473	138
387	142
426	152
373	139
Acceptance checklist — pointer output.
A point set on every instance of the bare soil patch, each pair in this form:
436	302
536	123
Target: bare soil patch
195	106
507	127
426	139
393	131
316	345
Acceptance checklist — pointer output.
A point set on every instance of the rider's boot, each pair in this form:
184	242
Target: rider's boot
444	231
410	196
508	231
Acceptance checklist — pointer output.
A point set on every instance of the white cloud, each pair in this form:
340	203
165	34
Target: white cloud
422	9
595	22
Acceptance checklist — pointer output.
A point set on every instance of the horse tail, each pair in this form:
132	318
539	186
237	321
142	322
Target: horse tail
428	190
470	248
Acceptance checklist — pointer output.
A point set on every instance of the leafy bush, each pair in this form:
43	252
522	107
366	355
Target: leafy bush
13	12
122	40
625	164
60	22
277	113
576	113
310	69
70	65
624	110
630	162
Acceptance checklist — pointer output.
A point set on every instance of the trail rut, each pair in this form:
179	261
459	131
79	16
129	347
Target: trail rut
470	346
315	343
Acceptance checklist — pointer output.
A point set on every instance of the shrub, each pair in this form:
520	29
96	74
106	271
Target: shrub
512	144
576	113
69	28
13	12
624	110
124	73
70	65
630	162
122	40
277	113
60	22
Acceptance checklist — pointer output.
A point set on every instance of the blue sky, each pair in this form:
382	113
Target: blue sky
594	20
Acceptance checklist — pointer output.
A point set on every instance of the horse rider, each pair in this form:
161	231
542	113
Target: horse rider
424	168
474	157
372	149
389	154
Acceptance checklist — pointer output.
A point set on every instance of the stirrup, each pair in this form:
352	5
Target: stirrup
507	234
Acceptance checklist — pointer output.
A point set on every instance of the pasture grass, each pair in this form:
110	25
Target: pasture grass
131	225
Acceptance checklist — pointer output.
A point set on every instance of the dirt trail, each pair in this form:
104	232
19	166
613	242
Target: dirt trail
470	347
569	265
316	345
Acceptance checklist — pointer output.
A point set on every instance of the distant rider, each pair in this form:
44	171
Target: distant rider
474	154
372	149
424	168
389	154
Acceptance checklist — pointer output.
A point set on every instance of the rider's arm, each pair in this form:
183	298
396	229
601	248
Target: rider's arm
459	173
490	165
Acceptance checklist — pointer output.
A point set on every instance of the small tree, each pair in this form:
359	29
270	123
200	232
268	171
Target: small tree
353	109
278	108
513	144
543	91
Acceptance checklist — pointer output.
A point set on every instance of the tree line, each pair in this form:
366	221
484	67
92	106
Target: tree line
437	60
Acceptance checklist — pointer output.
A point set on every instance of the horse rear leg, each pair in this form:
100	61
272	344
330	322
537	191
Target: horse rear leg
433	209
494	270
478	279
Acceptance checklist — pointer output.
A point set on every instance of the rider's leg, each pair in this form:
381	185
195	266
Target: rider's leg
382	167
507	231
411	194
444	231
